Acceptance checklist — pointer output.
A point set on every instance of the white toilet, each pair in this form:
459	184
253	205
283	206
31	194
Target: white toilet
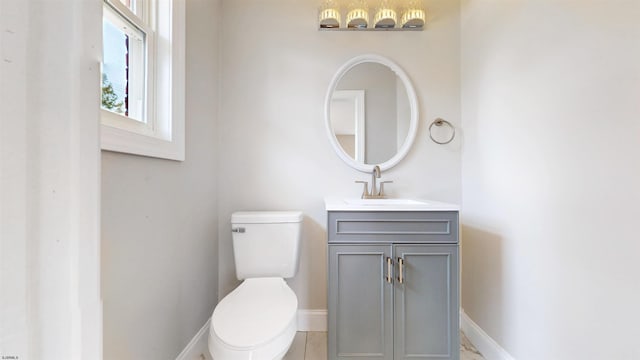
257	320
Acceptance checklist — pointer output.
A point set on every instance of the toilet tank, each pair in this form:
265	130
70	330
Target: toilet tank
266	243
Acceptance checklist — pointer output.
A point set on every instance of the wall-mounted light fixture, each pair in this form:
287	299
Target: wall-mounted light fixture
413	15
358	15
385	15
329	15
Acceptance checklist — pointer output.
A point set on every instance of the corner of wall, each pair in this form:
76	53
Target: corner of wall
488	347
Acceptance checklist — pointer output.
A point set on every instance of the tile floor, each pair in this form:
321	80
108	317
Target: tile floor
467	350
313	346
308	346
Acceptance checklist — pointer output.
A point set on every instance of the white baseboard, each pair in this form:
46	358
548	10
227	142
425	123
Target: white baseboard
312	320
316	320
198	345
488	347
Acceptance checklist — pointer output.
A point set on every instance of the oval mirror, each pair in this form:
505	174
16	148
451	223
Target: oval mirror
371	113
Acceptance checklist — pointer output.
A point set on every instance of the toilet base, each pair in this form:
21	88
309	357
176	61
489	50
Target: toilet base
274	350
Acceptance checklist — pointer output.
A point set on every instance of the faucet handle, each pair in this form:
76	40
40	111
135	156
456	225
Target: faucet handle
365	190
381	192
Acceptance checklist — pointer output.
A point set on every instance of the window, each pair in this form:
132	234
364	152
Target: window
143	77
125	61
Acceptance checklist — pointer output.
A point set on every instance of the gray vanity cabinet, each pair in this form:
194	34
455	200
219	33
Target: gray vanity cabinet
393	285
362	315
426	310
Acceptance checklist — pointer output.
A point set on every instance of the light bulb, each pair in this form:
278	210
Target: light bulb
329	17
358	15
414	16
386	16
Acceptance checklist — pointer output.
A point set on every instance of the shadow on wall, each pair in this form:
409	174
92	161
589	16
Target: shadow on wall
310	283
482	277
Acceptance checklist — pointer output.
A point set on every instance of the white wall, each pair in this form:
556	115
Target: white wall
159	221
49	180
275	154
551	168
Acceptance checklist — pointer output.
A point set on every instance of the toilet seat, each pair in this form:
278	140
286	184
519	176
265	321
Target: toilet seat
257	320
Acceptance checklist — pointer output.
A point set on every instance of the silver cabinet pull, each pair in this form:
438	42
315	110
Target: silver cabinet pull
389	265
237	230
400	265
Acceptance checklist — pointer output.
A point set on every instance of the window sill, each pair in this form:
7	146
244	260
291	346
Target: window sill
118	140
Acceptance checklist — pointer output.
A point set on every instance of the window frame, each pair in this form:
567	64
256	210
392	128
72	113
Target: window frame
162	135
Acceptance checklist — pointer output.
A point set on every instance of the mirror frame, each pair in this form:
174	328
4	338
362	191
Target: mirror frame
413	104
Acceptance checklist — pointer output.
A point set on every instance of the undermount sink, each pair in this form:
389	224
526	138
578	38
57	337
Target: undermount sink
378	202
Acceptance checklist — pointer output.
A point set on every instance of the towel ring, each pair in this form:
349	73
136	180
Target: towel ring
440	122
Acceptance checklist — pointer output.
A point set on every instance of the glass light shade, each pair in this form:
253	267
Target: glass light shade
413	18
329	18
385	18
357	18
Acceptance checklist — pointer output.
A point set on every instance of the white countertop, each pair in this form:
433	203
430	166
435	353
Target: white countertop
355	204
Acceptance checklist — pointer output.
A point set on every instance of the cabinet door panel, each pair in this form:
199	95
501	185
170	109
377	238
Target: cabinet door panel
426	304
360	302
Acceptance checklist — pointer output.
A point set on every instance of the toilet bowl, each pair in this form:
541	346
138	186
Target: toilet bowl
258	319
255	321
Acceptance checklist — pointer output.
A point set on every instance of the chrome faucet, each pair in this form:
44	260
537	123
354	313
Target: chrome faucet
375	193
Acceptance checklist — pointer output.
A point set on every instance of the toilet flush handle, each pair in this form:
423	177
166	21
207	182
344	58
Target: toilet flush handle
238	230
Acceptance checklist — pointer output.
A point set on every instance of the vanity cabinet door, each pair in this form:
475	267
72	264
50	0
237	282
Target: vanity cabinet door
360	302
426	302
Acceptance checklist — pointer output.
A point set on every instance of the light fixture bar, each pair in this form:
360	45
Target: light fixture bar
410	13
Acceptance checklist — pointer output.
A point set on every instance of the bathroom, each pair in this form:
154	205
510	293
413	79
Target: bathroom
545	166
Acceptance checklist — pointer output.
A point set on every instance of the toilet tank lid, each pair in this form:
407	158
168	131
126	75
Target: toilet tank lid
265	217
